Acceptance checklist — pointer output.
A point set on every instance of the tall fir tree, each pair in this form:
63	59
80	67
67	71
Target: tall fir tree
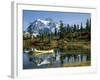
61	29
87	25
75	28
81	27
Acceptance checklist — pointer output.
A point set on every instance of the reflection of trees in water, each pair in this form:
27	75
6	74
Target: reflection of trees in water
59	58
62	55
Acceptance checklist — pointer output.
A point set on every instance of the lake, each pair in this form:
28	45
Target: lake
56	59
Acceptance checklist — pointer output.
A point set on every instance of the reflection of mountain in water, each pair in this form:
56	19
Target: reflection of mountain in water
52	60
27	64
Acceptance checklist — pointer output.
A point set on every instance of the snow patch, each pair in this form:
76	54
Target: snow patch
43	21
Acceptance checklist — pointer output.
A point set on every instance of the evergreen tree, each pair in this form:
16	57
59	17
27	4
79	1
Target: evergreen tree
61	29
81	27
68	28
71	28
87	25
90	25
75	28
55	31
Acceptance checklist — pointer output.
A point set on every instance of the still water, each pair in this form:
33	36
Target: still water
56	59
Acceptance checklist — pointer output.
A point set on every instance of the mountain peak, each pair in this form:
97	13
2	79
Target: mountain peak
42	26
43	21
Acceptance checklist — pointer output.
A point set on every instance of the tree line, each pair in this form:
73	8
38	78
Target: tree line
64	30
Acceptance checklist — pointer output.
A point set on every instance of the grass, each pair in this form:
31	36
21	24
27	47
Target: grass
87	63
75	47
69	47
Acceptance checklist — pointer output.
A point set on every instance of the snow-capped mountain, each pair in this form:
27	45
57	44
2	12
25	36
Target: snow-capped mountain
41	26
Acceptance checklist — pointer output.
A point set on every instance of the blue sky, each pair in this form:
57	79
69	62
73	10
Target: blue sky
67	17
